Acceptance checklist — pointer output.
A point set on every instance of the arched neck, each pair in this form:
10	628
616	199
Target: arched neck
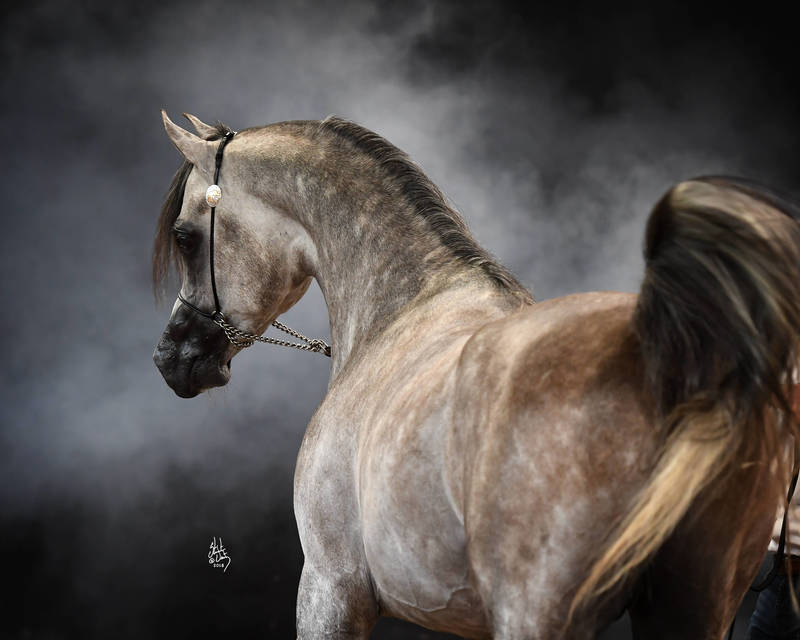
375	259
382	238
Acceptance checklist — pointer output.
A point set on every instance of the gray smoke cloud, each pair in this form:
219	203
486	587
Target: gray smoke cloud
552	134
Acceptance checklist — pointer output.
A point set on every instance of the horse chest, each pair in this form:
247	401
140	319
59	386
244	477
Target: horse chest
414	541
384	479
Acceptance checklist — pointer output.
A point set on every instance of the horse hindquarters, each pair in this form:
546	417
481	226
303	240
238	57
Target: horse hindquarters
554	441
718	320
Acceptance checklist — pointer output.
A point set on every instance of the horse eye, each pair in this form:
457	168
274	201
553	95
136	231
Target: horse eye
185	240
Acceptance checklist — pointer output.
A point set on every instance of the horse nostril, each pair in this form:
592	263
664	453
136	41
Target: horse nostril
160	359
166	351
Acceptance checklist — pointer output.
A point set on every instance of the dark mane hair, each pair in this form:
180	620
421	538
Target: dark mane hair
426	200
164	243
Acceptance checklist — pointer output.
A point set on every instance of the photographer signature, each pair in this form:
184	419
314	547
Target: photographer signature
217	553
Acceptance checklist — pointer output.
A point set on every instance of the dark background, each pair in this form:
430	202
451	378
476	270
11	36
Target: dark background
553	130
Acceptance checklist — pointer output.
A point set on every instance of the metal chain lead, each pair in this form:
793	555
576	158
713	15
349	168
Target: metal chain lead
243	339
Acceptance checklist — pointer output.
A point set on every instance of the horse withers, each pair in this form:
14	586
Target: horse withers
481	464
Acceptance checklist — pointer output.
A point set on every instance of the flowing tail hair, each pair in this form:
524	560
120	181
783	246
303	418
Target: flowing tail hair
718	319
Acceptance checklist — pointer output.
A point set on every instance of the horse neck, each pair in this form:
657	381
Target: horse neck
375	259
368	271
373	254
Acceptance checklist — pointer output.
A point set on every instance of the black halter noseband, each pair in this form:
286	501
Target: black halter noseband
236	336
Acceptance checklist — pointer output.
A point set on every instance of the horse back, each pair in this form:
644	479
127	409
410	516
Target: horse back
565	375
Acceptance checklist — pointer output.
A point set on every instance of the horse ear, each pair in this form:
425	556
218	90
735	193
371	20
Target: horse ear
205	131
196	150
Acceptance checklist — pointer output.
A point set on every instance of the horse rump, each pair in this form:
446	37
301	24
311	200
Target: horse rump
718	319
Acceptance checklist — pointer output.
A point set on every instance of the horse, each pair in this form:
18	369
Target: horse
483	464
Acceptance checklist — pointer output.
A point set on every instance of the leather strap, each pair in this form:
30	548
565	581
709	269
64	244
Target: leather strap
217	166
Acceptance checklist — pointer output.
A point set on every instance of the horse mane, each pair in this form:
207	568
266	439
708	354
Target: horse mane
425	199
164	243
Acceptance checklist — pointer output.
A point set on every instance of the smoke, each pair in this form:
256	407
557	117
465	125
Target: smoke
553	133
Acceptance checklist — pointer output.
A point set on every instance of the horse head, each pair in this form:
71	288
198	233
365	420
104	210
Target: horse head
259	256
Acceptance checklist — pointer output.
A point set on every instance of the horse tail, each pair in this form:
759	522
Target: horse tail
718	320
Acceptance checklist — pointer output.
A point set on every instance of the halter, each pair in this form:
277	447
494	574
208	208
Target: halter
236	336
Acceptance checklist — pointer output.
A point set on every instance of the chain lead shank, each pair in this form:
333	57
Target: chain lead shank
243	339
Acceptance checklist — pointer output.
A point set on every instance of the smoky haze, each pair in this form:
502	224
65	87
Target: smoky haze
552	132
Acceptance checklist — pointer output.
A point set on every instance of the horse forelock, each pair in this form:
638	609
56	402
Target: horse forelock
164	243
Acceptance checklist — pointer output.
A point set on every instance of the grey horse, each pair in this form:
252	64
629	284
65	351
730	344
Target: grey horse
481	464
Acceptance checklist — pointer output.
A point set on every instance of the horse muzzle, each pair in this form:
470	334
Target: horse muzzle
188	368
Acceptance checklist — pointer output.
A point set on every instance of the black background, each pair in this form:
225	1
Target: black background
552	128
